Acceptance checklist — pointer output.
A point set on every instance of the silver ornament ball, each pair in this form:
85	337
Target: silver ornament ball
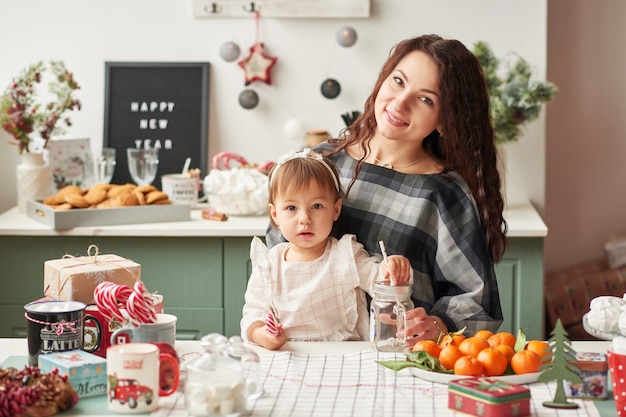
229	51
330	88
346	36
248	99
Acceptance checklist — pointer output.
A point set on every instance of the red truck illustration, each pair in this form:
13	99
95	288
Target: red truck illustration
129	391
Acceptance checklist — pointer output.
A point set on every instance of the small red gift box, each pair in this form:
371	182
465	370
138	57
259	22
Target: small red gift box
488	397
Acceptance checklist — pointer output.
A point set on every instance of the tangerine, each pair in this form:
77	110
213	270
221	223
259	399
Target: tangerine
494	362
507	351
467	365
484	334
525	362
540	347
449	355
429	346
451	339
502	338
472	345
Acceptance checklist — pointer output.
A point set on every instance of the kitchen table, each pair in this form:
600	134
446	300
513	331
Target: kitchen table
335	378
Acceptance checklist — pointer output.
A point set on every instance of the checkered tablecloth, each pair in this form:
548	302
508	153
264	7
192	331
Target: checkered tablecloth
354	384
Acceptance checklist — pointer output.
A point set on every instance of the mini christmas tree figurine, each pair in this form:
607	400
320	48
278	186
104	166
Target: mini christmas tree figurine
560	367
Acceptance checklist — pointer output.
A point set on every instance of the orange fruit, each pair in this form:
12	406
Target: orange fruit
449	355
472	345
450	339
525	362
466	365
507	351
494	362
502	338
540	347
484	334
430	346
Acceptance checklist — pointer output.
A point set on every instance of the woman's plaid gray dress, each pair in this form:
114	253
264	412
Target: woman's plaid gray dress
432	220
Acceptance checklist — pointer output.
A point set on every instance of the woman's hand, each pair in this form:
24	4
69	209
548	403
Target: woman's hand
257	333
421	326
397	269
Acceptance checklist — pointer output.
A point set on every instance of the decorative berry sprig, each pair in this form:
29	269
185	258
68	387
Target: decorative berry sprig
21	114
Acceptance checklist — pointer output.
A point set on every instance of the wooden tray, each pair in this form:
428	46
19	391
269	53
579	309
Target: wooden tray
67	219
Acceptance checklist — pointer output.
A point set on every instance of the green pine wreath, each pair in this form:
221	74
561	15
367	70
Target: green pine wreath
515	98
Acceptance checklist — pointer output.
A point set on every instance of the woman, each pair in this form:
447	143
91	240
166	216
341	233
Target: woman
419	169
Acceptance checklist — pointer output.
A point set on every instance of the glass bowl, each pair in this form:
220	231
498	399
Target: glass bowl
252	204
598	333
237	192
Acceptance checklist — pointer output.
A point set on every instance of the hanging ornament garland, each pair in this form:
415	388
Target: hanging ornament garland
257	65
346	37
229	51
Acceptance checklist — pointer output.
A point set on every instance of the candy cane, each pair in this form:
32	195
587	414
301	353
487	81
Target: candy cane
266	166
105	306
225	158
270	323
108	296
140	306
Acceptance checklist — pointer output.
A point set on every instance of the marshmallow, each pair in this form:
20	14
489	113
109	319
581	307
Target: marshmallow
604	314
237	191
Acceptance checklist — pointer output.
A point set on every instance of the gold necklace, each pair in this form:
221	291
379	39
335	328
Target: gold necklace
389	166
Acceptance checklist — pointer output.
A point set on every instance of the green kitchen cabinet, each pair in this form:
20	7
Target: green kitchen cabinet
189	272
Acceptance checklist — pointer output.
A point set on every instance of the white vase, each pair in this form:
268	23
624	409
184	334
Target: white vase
33	179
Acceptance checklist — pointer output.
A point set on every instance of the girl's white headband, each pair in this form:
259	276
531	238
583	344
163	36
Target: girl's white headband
305	153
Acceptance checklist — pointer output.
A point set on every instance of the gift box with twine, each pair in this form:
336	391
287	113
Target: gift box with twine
76	278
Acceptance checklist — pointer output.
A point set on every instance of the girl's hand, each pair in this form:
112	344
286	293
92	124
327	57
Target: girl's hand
397	269
258	334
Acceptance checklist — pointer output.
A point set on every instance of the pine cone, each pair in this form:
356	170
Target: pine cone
29	393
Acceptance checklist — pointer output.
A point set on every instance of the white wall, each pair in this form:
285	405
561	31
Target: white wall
85	34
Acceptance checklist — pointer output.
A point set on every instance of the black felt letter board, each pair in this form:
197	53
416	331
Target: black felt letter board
163	105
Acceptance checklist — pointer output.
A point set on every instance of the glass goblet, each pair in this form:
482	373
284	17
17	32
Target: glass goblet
143	164
104	166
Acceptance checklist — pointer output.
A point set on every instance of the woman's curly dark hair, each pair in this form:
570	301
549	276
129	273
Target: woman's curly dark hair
467	143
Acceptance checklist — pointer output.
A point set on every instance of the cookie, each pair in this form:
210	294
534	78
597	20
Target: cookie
115	190
146	188
70	189
54	200
163	201
154	196
141	198
95	195
64	206
127	198
76	200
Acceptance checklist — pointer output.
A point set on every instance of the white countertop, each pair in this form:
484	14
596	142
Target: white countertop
523	221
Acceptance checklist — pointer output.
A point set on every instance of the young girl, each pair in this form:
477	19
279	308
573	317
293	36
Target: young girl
312	284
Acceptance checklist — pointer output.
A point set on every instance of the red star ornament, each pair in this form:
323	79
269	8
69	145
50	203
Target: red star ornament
257	65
